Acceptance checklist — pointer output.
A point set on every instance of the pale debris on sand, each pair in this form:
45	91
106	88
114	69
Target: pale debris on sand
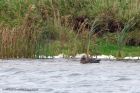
80	55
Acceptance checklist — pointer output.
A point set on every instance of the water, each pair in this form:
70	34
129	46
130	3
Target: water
68	76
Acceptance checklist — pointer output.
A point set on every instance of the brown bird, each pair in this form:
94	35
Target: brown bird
85	60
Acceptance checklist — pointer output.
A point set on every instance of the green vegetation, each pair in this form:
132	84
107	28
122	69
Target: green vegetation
29	28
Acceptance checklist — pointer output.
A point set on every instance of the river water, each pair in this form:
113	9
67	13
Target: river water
68	76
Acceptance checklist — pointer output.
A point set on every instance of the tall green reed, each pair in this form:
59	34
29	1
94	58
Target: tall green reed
122	35
90	36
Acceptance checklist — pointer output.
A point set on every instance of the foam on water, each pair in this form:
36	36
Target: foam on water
68	76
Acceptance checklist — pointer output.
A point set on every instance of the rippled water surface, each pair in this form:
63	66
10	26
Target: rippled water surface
68	76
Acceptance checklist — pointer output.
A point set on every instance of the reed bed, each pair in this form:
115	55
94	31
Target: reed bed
30	28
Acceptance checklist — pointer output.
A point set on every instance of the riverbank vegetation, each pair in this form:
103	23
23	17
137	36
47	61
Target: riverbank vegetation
29	28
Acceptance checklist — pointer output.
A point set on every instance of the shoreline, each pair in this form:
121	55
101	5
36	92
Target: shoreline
105	57
78	56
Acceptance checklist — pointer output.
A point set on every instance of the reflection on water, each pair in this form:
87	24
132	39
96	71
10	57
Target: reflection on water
68	76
